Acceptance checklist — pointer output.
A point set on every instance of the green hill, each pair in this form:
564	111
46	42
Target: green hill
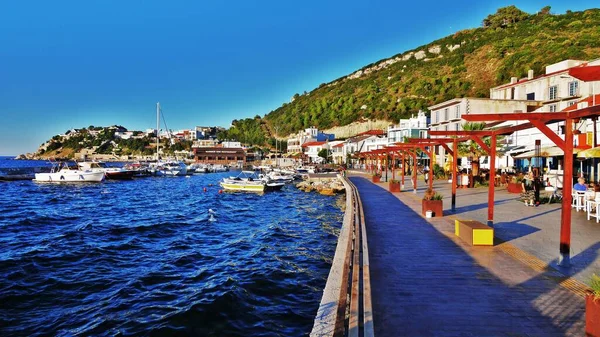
467	63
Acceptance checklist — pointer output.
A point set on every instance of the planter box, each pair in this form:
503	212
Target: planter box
376	179
436	206
592	315
394	187
514	188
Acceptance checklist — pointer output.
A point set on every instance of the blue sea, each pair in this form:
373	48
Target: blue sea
146	258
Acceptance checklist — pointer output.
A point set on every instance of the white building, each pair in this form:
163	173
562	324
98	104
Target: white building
553	91
414	127
312	150
312	134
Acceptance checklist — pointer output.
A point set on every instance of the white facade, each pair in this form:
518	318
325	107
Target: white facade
415	127
312	150
554	91
232	144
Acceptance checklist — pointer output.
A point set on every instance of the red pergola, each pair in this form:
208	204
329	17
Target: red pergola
430	142
540	120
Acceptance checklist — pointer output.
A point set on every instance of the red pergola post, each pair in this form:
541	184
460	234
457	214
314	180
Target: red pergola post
403	170
565	219
393	165
454	173
492	181
386	166
415	172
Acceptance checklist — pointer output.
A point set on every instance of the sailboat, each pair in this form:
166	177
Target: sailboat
170	167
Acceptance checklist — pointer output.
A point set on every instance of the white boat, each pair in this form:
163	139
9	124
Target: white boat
170	168
110	172
249	181
64	174
245	181
279	177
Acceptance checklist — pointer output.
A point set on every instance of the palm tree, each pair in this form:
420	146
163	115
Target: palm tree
473	151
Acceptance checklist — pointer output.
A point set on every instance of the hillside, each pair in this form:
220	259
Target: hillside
467	63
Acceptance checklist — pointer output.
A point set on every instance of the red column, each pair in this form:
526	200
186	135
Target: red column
454	175
430	154
403	168
565	219
386	167
393	165
415	172
492	181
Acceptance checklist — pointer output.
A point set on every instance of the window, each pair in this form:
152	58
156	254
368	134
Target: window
435	117
457	112
573	86
446	117
457	127
553	108
552	92
531	96
571	103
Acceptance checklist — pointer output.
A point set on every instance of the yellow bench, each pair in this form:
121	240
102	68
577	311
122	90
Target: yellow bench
474	232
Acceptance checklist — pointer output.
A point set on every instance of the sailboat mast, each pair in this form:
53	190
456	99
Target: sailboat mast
157	128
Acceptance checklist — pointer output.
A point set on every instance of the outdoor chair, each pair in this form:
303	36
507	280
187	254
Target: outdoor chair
578	201
593	210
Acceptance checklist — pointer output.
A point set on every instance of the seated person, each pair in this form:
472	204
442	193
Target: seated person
580	186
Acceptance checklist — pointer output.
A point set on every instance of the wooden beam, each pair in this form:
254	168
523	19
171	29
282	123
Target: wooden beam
550	134
481	143
447	148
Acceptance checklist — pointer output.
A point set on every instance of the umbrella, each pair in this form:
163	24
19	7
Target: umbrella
551	151
589	153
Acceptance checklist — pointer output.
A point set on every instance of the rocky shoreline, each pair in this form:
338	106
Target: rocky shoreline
325	186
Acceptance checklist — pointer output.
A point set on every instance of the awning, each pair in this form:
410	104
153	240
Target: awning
550	151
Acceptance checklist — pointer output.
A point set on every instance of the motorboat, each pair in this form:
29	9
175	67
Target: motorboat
245	181
63	174
171	168
115	173
218	168
250	181
279	177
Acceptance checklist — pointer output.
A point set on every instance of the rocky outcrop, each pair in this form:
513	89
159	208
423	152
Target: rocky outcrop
325	186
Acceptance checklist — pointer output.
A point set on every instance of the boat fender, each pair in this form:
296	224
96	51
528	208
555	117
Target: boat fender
220	191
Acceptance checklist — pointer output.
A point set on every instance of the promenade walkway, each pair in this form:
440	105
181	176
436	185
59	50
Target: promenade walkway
426	282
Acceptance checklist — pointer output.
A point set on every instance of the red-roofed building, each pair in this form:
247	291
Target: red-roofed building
373	132
311	150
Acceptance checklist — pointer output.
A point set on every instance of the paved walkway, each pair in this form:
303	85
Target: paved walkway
426	282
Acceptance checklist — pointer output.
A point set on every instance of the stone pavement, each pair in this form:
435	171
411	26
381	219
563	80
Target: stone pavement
426	282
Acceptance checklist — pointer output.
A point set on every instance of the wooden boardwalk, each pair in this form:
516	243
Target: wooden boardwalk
426	282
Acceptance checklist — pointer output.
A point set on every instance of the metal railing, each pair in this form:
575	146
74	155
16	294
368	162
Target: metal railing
345	308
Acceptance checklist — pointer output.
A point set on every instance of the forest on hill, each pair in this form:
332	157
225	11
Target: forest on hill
465	64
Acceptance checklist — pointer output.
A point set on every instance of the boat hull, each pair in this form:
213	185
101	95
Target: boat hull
70	177
243	187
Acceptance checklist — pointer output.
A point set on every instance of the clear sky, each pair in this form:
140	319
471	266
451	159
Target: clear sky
71	64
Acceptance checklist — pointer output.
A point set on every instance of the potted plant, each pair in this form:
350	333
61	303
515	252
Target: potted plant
394	185
432	201
515	185
592	308
376	177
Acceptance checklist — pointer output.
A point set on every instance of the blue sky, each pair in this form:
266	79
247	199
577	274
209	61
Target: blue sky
71	64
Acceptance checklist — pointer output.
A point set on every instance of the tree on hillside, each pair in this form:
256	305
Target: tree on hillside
505	16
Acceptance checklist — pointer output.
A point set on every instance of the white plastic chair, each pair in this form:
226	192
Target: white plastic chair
595	204
578	200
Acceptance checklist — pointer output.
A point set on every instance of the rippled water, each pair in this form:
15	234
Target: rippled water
143	257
